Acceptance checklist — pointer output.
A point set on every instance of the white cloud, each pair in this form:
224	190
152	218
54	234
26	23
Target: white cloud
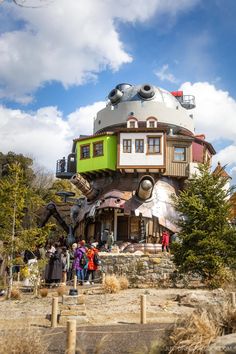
45	135
215	116
69	41
165	75
81	121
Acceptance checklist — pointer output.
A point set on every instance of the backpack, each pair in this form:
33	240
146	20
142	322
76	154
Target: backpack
96	259
83	260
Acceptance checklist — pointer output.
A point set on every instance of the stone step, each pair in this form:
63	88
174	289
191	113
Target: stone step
73	312
79	319
72	299
80	307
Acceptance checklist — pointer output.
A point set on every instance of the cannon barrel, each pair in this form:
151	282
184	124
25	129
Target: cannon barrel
145	187
84	186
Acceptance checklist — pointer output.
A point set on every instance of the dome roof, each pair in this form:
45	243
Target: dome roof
142	102
125	92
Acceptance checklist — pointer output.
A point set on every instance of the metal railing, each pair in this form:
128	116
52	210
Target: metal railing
188	101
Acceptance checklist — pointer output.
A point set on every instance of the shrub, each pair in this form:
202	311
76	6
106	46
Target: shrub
124	283
222	279
196	333
15	294
43	292
62	290
22	341
111	284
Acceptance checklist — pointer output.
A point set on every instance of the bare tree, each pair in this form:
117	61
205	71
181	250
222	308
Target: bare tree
31	3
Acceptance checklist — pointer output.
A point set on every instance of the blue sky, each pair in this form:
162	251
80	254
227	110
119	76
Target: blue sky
59	62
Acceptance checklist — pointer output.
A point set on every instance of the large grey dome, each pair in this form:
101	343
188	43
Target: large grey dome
142	102
126	92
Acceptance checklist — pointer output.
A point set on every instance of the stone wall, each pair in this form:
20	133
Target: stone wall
141	270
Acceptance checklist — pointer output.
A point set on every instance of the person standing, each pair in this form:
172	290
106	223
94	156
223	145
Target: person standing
104	237
79	267
165	241
110	240
92	267
65	258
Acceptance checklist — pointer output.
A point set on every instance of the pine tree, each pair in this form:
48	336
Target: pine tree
207	240
17	223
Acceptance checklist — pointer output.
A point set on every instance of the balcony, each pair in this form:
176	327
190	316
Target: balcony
187	101
66	168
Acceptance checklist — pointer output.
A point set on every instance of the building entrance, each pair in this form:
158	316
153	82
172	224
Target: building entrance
122	228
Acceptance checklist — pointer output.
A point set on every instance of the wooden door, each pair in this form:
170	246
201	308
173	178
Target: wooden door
122	228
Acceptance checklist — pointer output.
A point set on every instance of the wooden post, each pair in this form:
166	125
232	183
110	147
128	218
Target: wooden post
18	277
71	337
103	278
75	282
54	312
143	309
233	302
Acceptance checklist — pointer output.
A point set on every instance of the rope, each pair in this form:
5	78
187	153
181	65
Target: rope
107	332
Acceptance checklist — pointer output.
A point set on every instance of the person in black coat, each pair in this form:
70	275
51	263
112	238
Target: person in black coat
53	271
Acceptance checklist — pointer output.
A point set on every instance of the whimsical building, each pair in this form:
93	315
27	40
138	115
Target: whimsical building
142	150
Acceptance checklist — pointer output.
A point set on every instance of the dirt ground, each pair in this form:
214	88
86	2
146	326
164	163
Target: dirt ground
112	320
101	308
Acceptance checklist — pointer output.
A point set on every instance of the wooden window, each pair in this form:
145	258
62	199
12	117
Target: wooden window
179	153
139	145
154	145
98	149
127	146
132	124
151	124
85	151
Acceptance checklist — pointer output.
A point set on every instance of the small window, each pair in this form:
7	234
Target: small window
154	145
179	153
139	145
151	124
127	147
132	124
98	149
85	152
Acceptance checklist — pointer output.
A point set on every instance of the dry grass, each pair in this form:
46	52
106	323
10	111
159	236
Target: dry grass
112	284
15	294
154	348
22	341
195	334
229	320
198	331
124	283
98	348
43	292
62	290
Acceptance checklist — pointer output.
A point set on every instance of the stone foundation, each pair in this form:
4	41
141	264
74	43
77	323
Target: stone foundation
153	270
147	270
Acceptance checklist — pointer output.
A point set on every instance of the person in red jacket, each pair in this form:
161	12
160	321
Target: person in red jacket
92	267
165	240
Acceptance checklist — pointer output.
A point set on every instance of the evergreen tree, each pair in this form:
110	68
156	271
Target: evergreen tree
18	229
207	240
